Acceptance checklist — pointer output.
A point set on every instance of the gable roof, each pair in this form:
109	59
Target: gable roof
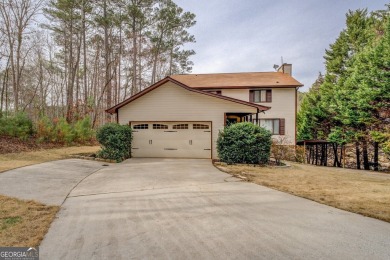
237	80
115	108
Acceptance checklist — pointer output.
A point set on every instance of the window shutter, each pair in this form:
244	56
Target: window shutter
269	95
251	96
282	127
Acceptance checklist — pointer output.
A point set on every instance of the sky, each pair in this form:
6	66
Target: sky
253	35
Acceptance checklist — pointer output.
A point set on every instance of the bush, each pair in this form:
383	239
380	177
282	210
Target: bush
300	154
281	149
244	143
45	130
83	130
115	141
59	130
17	126
64	132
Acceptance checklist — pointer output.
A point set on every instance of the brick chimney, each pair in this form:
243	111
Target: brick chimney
286	69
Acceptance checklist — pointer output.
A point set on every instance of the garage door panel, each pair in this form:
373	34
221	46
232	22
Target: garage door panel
172	139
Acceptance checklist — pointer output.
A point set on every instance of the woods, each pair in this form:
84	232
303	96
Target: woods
72	59
350	104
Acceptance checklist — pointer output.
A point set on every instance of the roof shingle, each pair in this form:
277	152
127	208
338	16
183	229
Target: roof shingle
237	80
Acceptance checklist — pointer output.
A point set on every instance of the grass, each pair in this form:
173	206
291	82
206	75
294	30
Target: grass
25	223
15	160
363	192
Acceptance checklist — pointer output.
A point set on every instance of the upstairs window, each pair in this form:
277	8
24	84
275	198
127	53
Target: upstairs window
259	96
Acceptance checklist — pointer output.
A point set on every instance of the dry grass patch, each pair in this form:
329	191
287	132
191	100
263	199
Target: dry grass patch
15	160
24	223
362	192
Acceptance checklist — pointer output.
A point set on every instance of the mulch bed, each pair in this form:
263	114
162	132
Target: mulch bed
15	145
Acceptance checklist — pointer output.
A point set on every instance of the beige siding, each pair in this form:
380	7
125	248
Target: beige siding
242	94
283	106
170	102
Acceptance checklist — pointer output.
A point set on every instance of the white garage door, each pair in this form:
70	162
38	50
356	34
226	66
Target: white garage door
171	139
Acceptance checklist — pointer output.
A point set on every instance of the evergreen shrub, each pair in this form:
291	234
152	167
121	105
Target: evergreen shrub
115	140
16	126
60	131
244	143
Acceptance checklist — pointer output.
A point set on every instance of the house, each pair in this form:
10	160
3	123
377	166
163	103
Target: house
181	115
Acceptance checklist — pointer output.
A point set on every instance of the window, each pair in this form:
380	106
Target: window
180	126
200	126
160	126
276	126
258	96
141	126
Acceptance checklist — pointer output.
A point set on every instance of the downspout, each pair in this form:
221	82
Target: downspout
295	116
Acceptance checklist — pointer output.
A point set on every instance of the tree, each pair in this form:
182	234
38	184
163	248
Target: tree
87	55
65	17
170	32
310	114
346	105
368	109
16	19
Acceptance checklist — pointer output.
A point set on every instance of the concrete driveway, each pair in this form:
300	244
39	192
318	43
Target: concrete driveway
187	209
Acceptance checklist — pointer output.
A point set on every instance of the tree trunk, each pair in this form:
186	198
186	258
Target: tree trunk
70	85
119	61
139	62
4	89
357	155
336	162
170	61
376	155
134	76
155	57
366	163
85	60
107	84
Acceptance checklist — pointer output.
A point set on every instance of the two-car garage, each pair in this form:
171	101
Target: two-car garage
171	139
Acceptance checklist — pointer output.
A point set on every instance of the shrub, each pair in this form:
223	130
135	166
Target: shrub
59	130
64	132
45	130
281	149
115	141
244	143
83	130
17	126
300	154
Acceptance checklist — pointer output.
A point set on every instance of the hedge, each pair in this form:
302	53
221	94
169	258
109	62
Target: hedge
244	143
17	126
115	140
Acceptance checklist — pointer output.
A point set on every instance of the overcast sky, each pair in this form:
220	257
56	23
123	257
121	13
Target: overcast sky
253	35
